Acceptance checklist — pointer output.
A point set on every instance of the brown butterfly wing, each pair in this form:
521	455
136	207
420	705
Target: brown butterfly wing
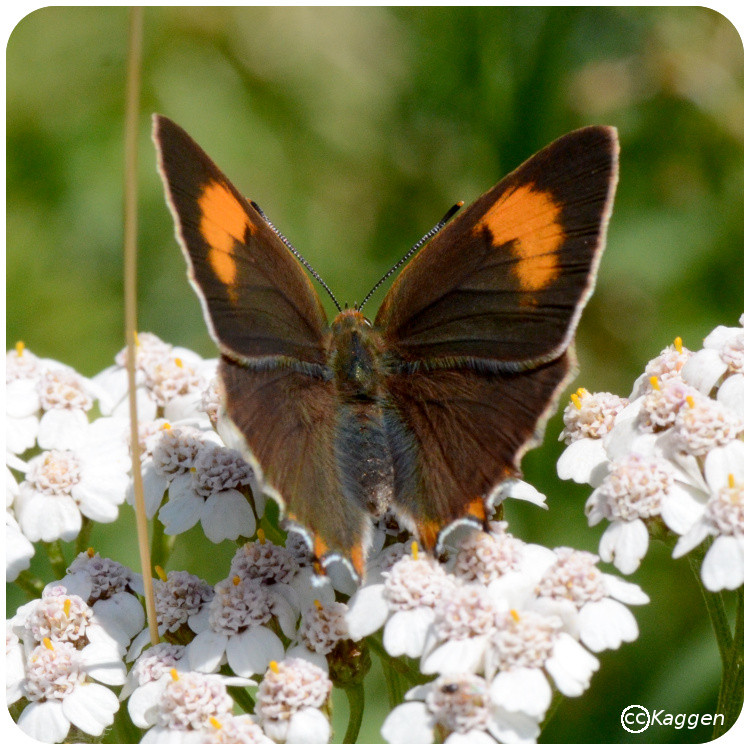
506	280
268	322
479	324
257	300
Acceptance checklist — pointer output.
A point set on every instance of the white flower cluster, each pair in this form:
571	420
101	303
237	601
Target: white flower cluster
256	622
65	464
672	455
499	624
496	626
63	649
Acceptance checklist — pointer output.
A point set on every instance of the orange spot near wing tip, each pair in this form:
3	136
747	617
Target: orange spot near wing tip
530	220
224	221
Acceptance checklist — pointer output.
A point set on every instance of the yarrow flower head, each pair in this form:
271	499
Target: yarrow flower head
290	699
66	648
242	623
169	381
185	704
588	418
207	483
63	485
666	366
405	604
590	603
456	709
180	600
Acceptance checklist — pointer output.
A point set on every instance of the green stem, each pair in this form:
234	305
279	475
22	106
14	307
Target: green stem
32	585
715	606
731	648
732	691
355	694
399	677
161	545
82	540
56	558
557	699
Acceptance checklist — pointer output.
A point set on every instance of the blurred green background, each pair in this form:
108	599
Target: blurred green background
355	129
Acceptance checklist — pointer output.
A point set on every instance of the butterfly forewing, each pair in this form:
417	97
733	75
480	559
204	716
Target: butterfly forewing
505	281
257	300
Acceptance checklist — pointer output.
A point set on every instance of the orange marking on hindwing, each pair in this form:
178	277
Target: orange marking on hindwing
319	547
224	221
428	533
358	559
477	508
530	220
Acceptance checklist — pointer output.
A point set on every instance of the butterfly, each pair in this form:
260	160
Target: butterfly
426	410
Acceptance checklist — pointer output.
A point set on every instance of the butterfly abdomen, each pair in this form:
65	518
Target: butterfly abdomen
363	459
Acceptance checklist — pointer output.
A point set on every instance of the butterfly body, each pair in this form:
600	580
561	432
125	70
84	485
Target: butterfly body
428	410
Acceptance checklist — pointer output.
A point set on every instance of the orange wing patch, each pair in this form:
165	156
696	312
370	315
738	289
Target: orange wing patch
224	221
530	219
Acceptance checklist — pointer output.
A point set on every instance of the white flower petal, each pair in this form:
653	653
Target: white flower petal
368	611
18	549
251	652
308	726
154	487
581	459
682	507
205	651
62	429
184	507
409	724
691	538
124	609
21	398
606	624
625	544
143	703
571	666
724	564
20	433
405	632
91	708
522	689
47	517
624	591
464	655
44	721
732	394
511	727
103	664
227	515
723	461
703	369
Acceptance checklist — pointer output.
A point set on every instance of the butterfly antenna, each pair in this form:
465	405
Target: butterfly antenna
297	254
448	216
